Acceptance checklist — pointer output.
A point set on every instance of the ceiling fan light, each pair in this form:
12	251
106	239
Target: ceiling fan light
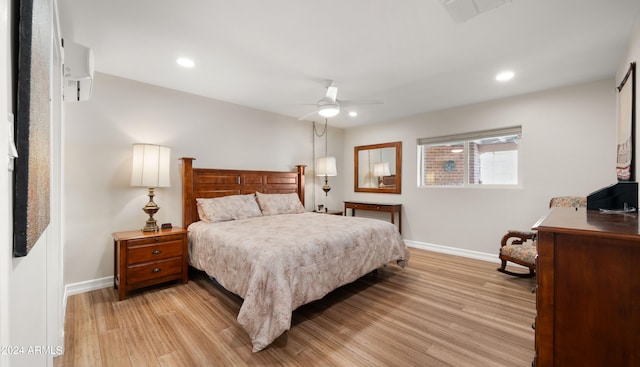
328	110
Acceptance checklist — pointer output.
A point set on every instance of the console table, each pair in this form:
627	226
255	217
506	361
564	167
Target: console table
376	207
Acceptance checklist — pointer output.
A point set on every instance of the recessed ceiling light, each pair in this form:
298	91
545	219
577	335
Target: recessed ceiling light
504	76
187	63
353	113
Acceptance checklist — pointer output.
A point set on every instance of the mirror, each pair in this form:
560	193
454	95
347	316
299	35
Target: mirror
378	168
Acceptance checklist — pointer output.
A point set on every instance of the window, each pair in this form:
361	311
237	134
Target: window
487	157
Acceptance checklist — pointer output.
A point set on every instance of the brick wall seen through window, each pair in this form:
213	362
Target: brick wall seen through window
480	159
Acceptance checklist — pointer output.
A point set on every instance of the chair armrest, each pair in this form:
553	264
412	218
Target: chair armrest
517	237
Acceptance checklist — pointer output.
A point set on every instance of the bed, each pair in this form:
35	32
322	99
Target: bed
249	231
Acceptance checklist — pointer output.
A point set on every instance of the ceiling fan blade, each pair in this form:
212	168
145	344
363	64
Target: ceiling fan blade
332	94
307	115
360	102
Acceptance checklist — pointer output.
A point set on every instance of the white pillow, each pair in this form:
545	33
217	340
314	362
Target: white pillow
279	203
227	208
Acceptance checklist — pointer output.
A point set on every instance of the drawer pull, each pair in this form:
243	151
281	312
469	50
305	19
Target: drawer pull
156	270
157	239
156	252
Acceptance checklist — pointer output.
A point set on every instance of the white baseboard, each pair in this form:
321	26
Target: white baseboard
88	285
81	287
493	258
454	251
77	288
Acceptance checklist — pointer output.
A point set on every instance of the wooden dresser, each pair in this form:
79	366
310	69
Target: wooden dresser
588	294
148	258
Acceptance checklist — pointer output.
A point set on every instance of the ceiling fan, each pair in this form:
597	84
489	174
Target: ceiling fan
330	105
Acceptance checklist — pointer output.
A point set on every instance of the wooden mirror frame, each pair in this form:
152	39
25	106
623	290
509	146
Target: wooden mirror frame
396	189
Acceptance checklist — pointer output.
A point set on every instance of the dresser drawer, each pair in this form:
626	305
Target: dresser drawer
158	269
155	251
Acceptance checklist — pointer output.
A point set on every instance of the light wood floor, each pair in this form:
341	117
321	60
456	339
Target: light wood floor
442	310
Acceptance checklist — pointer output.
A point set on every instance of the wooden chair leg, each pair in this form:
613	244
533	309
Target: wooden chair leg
503	269
530	274
503	266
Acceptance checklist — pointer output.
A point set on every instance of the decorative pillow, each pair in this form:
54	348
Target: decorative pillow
279	203
227	208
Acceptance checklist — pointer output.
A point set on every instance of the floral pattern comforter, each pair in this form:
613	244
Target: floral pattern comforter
277	263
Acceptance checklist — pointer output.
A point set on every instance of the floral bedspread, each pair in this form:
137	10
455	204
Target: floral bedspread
277	263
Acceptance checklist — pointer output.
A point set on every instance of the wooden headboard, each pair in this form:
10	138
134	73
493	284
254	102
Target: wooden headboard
211	183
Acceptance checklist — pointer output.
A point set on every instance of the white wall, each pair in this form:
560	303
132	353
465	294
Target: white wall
567	148
30	287
98	137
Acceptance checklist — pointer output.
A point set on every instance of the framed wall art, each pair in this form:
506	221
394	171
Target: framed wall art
31	186
626	126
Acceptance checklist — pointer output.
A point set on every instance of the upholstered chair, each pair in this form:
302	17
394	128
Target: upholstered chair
520	247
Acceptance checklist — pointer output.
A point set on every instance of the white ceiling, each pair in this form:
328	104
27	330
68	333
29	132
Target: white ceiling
275	55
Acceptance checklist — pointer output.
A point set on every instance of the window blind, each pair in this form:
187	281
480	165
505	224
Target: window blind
506	131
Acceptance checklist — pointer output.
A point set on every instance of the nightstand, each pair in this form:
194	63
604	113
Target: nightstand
333	212
142	259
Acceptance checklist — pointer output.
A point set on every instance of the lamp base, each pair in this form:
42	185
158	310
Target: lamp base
151	208
381	184
326	188
151	225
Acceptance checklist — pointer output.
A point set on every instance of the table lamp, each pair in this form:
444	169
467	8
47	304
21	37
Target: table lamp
150	169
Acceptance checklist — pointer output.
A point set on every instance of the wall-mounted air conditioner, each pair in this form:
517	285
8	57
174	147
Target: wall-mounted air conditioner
78	72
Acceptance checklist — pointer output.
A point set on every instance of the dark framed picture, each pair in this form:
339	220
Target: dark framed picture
32	167
626	126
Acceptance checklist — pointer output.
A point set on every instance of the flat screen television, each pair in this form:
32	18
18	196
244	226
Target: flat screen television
614	197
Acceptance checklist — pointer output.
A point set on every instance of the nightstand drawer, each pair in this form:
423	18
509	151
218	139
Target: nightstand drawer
159	269
153	252
154	239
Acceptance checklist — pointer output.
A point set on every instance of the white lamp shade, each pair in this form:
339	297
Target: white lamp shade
381	169
326	166
151	166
